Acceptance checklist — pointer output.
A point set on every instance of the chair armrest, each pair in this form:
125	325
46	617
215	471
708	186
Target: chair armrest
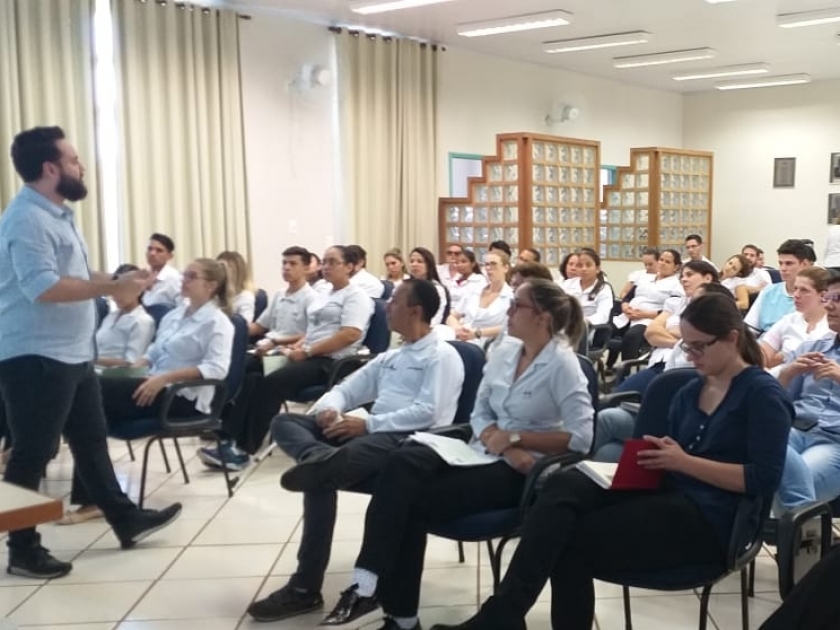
199	420
790	538
745	538
461	431
615	399
343	368
541	469
622	370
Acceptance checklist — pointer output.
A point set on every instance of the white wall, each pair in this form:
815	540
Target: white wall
481	96
290	143
747	129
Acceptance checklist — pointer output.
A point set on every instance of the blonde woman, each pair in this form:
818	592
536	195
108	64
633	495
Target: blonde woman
481	316
241	287
395	268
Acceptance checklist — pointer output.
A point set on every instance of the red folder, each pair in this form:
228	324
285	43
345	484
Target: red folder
629	475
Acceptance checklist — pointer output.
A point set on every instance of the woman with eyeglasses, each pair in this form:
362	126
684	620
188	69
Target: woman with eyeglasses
727	439
533	400
194	341
807	323
421	264
481	316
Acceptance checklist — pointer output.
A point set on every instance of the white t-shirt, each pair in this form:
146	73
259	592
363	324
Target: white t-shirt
349	307
675	306
125	336
596	308
733	283
494	314
758	278
243	304
166	289
369	283
651	295
460	293
638	275
286	317
449	280
790	332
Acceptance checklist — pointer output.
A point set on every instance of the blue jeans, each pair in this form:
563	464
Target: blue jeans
812	468
613	426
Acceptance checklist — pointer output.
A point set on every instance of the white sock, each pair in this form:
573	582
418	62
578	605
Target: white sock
366	582
405	623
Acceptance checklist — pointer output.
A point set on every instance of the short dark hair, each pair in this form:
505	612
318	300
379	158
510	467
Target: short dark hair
535	252
358	253
424	294
833	278
531	270
703	268
125	268
650	251
694	237
501	246
296	250
33	147
798	249
351	255
718	288
755	248
163	239
674	254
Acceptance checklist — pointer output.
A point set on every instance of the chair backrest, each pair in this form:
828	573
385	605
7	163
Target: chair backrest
239	354
158	311
473	359
653	412
387	290
775	274
101	310
592	378
378	337
260	302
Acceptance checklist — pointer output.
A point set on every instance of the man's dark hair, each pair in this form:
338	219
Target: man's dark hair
535	252
358	254
125	268
296	250
651	251
755	248
501	246
424	294
163	239
798	249
33	147
694	237
351	255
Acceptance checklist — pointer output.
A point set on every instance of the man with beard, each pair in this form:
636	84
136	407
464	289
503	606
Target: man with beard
47	325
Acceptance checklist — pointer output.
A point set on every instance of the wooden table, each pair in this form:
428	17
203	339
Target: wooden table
21	508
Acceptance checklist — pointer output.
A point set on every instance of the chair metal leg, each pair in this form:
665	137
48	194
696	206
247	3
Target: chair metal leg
745	607
461	558
144	470
704	606
165	458
229	483
180	459
495	562
266	452
751	586
628	616
130	449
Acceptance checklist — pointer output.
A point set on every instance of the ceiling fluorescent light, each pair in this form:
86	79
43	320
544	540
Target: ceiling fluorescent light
725	71
782	79
367	7
656	59
529	22
598	41
808	18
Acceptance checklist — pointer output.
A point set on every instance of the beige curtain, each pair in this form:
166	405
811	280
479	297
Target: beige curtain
182	153
388	101
46	78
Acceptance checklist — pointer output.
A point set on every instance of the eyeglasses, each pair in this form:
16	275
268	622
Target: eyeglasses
830	298
491	264
193	275
331	262
452	252
697	348
516	305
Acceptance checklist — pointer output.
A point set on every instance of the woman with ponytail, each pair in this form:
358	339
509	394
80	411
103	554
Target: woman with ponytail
193	341
727	439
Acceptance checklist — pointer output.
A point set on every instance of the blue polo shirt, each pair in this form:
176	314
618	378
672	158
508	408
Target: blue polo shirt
39	245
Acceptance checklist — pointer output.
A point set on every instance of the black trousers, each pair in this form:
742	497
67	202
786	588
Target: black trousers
45	399
120	409
415	491
577	530
633	342
299	436
235	414
813	603
5	434
274	390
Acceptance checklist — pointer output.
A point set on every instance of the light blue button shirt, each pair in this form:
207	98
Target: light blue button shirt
773	303
818	399
39	245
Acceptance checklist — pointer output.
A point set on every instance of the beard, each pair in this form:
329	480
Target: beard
70	188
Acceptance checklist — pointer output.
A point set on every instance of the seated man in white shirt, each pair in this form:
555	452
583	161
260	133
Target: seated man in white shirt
361	277
413	388
759	278
166	288
694	248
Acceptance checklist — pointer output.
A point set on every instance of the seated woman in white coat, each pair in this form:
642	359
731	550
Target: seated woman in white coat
194	341
126	332
239	278
481	316
591	288
470	278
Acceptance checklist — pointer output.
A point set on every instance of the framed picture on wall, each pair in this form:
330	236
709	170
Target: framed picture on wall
784	172
834	177
834	208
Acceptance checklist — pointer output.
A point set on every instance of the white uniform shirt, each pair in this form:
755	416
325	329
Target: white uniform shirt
327	313
640	274
445	300
166	289
675	306
413	387
322	285
790	332
203	340
125	336
460	293
494	314
396	283
650	296
759	278
450	281
286	316
244	304
369	283
596	308
550	395
733	283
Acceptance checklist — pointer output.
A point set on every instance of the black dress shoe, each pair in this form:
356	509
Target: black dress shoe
390	624
484	620
322	471
144	523
353	610
284	603
37	563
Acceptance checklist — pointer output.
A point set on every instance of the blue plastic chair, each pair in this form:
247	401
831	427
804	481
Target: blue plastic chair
163	426
260	303
101	310
388	289
158	312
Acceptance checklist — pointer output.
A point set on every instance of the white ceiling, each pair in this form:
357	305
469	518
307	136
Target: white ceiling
741	32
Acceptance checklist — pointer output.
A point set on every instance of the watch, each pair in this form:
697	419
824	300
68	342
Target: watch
477	333
514	438
307	350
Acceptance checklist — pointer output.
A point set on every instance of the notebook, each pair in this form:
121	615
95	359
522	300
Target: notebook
626	474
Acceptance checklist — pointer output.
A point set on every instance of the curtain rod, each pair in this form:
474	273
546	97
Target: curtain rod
386	38
192	7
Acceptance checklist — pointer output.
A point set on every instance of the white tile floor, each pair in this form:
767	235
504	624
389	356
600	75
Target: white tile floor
203	571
